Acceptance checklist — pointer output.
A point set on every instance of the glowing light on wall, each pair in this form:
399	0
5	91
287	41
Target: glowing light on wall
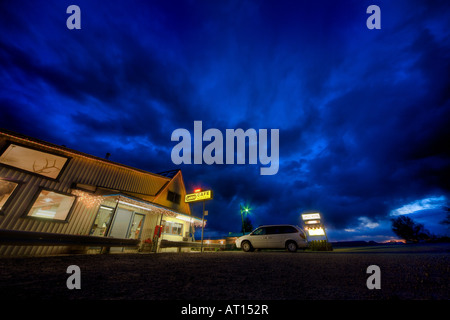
88	200
135	205
184	218
196	222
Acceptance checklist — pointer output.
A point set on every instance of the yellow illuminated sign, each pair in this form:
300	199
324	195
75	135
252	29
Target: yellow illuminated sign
316	232
199	196
312	222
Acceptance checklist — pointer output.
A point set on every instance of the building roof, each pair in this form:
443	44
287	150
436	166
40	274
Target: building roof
169	174
73	151
131	182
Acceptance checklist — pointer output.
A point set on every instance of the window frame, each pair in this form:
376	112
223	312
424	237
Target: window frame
289	229
174	197
61	171
36	196
171	225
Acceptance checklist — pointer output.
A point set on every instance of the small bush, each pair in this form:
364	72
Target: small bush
320	245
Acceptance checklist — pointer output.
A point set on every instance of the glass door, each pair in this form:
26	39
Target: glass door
121	224
124	224
136	226
102	221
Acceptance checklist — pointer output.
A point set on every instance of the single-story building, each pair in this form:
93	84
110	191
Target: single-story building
57	200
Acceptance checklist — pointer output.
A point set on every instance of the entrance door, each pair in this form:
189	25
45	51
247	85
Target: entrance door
102	221
121	225
136	226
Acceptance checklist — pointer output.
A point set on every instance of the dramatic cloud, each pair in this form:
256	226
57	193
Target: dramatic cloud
363	114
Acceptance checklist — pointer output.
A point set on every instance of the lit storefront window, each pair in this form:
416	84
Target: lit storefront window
52	205
170	227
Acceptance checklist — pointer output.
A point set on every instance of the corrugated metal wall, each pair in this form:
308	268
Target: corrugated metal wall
80	169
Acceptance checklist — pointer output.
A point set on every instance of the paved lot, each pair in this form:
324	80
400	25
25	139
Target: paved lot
406	273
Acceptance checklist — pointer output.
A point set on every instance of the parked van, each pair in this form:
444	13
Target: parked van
273	237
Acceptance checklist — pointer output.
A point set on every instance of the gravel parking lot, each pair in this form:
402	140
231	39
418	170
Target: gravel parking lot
266	275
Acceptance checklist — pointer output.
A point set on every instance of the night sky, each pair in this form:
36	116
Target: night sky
363	115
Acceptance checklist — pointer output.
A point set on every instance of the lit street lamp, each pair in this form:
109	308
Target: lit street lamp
242	216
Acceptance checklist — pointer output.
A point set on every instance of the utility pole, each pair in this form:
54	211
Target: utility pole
203	225
242	216
197	196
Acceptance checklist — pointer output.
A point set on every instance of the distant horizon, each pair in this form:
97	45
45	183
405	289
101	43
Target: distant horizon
334	235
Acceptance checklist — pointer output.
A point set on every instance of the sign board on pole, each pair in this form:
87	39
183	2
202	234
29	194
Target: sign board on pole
316	232
199	196
310	216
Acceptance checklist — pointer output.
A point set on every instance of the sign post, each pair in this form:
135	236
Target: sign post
313	224
203	225
200	195
316	231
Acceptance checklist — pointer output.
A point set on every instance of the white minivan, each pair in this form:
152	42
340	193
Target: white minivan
273	237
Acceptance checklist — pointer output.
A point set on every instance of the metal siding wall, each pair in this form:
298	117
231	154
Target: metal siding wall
80	169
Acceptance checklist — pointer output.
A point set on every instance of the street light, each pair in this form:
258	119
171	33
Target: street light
242	209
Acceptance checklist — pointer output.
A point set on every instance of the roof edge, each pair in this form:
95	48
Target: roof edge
29	139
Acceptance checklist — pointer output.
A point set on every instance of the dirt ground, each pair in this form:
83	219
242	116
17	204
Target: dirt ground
406	273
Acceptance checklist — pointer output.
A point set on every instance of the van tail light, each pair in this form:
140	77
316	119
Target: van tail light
302	235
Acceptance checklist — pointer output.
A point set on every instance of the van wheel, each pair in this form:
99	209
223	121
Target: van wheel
291	246
246	246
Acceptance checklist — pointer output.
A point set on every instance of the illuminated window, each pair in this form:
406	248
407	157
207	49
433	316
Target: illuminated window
34	161
6	190
170	227
52	205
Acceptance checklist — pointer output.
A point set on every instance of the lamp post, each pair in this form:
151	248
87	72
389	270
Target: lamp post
242	217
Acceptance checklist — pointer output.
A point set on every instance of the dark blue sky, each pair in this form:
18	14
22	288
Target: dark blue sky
363	114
